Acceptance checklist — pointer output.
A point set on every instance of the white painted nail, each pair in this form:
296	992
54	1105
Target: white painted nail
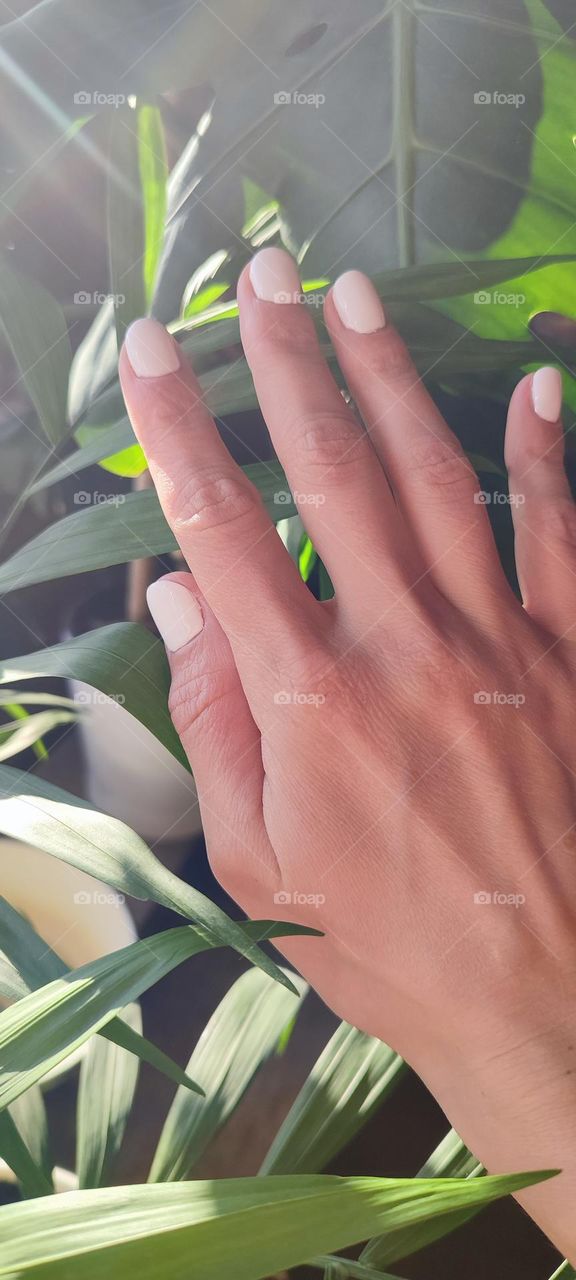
357	303
547	393
274	277
176	612
151	350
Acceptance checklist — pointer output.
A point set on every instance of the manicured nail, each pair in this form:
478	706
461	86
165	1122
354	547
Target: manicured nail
357	303
150	349
274	276
547	393
176	613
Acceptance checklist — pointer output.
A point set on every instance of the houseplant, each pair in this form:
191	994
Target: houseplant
462	341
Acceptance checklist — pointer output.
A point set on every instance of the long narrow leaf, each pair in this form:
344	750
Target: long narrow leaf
350	1080
108	1078
37	333
13	1150
35	809
27	963
450	1159
114	533
245	1227
240	1036
51	1023
125	220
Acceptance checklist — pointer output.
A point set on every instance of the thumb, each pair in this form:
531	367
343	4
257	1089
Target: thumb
213	720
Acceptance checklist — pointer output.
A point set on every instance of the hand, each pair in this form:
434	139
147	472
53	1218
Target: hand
395	767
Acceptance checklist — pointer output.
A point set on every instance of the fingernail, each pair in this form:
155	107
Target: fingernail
547	393
176	613
150	349
274	276
357	303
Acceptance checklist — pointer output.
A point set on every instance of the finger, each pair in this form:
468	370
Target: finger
212	717
434	482
338	484
542	507
215	513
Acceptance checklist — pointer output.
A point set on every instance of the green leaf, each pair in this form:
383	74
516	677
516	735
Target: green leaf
45	1027
32	809
27	963
123	661
245	1227
116	532
241	1034
153	165
450	1159
352	1270
565	1272
125	219
108	1078
13	1149
27	731
37	333
349	1081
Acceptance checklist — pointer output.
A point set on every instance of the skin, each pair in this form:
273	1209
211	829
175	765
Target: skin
390	798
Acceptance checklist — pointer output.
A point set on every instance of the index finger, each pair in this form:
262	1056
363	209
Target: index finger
216	514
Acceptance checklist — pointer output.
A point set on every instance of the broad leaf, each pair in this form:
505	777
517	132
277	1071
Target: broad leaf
350	1080
242	1033
246	1227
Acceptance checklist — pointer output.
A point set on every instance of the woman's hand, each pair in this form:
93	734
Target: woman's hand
395	767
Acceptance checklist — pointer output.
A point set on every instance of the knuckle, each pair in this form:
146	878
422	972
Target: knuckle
196	698
555	522
209	498
442	468
387	356
325	440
